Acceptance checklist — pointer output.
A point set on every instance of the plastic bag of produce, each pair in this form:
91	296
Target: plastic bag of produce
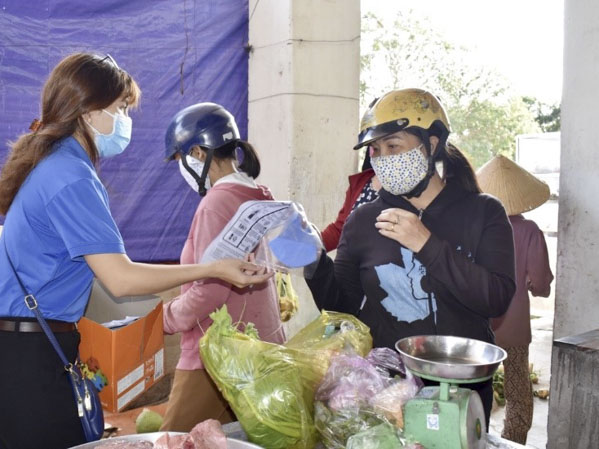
343	399
383	436
334	331
337	426
350	382
288	300
329	334
389	402
355	395
387	361
262	383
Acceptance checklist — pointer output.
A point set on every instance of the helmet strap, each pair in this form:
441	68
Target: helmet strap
202	181
432	159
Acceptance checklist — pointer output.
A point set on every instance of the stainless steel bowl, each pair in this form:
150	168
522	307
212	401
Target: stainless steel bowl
451	358
232	443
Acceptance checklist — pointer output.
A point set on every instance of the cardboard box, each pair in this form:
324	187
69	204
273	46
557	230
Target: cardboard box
130	357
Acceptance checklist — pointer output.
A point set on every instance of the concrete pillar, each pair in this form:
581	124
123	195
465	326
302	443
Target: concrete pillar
577	285
577	288
303	106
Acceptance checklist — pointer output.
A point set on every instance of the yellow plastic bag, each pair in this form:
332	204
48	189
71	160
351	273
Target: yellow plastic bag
334	331
329	334
288	300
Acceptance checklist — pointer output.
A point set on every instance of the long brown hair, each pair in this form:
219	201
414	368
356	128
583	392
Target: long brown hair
80	83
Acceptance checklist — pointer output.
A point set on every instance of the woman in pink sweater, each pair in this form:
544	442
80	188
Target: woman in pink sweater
222	168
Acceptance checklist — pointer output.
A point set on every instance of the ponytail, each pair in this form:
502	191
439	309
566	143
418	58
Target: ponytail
458	170
248	161
456	167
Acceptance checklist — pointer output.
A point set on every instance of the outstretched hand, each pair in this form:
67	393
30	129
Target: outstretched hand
240	273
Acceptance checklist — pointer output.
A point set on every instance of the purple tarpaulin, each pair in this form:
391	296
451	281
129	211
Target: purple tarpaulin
180	52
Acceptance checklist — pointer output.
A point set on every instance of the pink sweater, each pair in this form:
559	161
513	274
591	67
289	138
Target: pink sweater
188	313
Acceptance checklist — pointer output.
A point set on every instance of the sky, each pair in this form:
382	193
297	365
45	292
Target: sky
521	39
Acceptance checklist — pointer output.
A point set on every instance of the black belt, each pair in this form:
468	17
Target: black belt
16	325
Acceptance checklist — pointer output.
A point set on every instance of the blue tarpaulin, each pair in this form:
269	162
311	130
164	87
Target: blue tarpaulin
180	52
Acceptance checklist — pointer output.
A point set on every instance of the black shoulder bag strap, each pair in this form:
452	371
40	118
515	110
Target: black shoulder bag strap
83	398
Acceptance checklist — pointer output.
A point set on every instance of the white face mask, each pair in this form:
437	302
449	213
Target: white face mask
400	173
197	166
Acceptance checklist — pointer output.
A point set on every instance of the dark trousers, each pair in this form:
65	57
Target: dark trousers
37	407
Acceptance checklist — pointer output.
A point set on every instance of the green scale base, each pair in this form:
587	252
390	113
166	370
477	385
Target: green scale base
446	417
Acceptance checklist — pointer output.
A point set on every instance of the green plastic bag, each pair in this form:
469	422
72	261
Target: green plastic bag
262	383
271	387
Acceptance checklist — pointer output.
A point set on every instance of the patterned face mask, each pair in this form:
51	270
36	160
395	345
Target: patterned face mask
400	173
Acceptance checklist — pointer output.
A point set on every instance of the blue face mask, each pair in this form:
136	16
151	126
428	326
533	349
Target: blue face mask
297	246
114	143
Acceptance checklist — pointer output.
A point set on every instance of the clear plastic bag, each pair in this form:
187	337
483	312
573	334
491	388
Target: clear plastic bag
355	395
389	402
342	406
387	360
291	244
288	299
278	232
337	426
382	436
350	382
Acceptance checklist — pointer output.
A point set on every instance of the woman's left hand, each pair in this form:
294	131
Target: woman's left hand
403	227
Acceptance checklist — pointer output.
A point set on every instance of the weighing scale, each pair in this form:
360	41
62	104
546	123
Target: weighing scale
447	416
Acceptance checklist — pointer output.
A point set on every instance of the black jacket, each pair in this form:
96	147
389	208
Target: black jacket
464	273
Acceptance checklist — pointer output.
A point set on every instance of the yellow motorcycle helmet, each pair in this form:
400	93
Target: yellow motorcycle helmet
400	109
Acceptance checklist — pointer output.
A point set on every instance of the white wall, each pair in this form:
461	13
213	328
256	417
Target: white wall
577	290
303	105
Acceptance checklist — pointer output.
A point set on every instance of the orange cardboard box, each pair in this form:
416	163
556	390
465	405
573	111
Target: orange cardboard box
131	357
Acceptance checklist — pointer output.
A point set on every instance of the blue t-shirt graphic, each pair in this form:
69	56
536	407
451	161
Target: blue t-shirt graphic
406	299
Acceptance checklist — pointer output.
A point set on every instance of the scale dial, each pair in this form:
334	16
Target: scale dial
475	426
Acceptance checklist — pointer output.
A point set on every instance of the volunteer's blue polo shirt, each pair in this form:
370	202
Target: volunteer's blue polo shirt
59	215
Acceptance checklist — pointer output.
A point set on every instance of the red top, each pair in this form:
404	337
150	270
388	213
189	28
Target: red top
532	274
332	233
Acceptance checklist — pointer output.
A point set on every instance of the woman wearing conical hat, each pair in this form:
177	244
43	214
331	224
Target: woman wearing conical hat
519	191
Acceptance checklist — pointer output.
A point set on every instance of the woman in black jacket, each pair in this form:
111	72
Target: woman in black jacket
432	255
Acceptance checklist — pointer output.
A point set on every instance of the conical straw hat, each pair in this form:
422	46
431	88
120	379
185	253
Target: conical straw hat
517	189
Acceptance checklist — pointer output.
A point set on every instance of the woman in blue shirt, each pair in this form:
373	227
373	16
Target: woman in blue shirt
59	234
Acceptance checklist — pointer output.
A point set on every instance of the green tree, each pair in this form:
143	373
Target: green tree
548	116
405	52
